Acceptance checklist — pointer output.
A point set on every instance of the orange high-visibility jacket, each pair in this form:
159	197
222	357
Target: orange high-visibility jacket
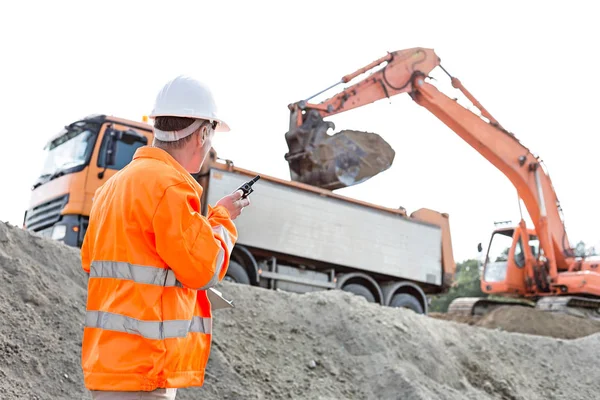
151	256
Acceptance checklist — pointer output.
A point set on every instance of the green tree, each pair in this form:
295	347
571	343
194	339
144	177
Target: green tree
467	284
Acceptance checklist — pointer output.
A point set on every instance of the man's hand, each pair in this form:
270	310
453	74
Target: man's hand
234	203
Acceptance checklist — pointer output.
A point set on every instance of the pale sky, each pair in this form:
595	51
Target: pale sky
529	65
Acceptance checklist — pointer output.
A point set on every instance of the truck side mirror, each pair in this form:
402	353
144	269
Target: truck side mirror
479	247
111	148
109	152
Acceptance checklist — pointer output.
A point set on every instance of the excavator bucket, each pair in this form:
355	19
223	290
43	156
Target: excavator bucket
341	160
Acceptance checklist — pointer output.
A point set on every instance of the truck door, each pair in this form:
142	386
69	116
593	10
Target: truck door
114	150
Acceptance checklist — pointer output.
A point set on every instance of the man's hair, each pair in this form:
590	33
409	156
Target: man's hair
173	124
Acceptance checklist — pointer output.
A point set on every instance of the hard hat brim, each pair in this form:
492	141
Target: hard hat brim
222	126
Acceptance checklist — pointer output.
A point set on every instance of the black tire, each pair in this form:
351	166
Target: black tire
407	301
359	290
236	273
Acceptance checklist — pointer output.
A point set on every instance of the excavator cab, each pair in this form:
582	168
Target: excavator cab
506	271
511	255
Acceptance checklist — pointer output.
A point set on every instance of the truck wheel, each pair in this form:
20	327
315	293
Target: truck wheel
237	274
407	301
360	290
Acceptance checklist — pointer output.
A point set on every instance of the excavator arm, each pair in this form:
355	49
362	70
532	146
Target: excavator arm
406	72
349	157
394	78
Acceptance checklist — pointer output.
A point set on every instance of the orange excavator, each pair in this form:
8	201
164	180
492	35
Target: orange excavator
536	265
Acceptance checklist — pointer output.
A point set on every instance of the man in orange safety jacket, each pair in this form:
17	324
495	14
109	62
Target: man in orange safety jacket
151	256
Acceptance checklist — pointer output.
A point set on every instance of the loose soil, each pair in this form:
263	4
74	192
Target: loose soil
279	345
529	320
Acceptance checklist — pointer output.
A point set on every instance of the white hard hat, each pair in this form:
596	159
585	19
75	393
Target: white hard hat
185	96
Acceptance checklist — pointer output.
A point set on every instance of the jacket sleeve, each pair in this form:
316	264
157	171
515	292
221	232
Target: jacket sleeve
86	250
195	247
225	231
85	254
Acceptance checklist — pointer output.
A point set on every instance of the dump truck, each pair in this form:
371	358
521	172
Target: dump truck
294	236
536	265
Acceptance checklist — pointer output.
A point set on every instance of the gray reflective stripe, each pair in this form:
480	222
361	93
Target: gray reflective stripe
218	267
136	273
147	329
222	232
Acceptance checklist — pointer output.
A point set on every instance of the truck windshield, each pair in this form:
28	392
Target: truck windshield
68	151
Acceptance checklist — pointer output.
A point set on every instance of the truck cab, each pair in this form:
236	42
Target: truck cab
79	159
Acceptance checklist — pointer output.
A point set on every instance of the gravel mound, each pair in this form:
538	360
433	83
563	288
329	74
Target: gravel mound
276	345
537	322
529	320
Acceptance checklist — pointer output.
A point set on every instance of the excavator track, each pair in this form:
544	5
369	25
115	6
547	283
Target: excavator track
480	305
572	305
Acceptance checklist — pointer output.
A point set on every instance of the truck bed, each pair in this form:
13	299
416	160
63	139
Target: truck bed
285	218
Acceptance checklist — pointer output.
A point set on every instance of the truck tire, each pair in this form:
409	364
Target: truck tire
407	301
237	274
359	290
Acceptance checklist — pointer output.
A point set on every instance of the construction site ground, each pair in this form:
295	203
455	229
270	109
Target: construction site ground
280	345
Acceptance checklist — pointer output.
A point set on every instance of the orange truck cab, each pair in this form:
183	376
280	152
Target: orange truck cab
79	159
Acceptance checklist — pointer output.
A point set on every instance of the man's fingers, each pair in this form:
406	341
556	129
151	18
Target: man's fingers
242	203
237	195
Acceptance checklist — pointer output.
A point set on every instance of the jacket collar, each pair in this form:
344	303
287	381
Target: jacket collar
161	155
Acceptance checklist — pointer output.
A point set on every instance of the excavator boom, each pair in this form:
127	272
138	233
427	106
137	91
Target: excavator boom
392	79
509	155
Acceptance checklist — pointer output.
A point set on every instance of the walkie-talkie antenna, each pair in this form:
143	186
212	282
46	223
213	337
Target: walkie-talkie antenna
246	188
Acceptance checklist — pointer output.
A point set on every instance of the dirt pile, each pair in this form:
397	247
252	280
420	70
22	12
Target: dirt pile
275	345
42	304
529	320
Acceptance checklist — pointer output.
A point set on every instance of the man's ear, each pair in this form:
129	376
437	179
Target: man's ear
202	135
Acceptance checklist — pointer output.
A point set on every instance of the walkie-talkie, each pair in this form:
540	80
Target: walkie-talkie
247	187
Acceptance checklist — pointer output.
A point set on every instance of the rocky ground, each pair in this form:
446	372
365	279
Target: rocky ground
278	345
529	320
